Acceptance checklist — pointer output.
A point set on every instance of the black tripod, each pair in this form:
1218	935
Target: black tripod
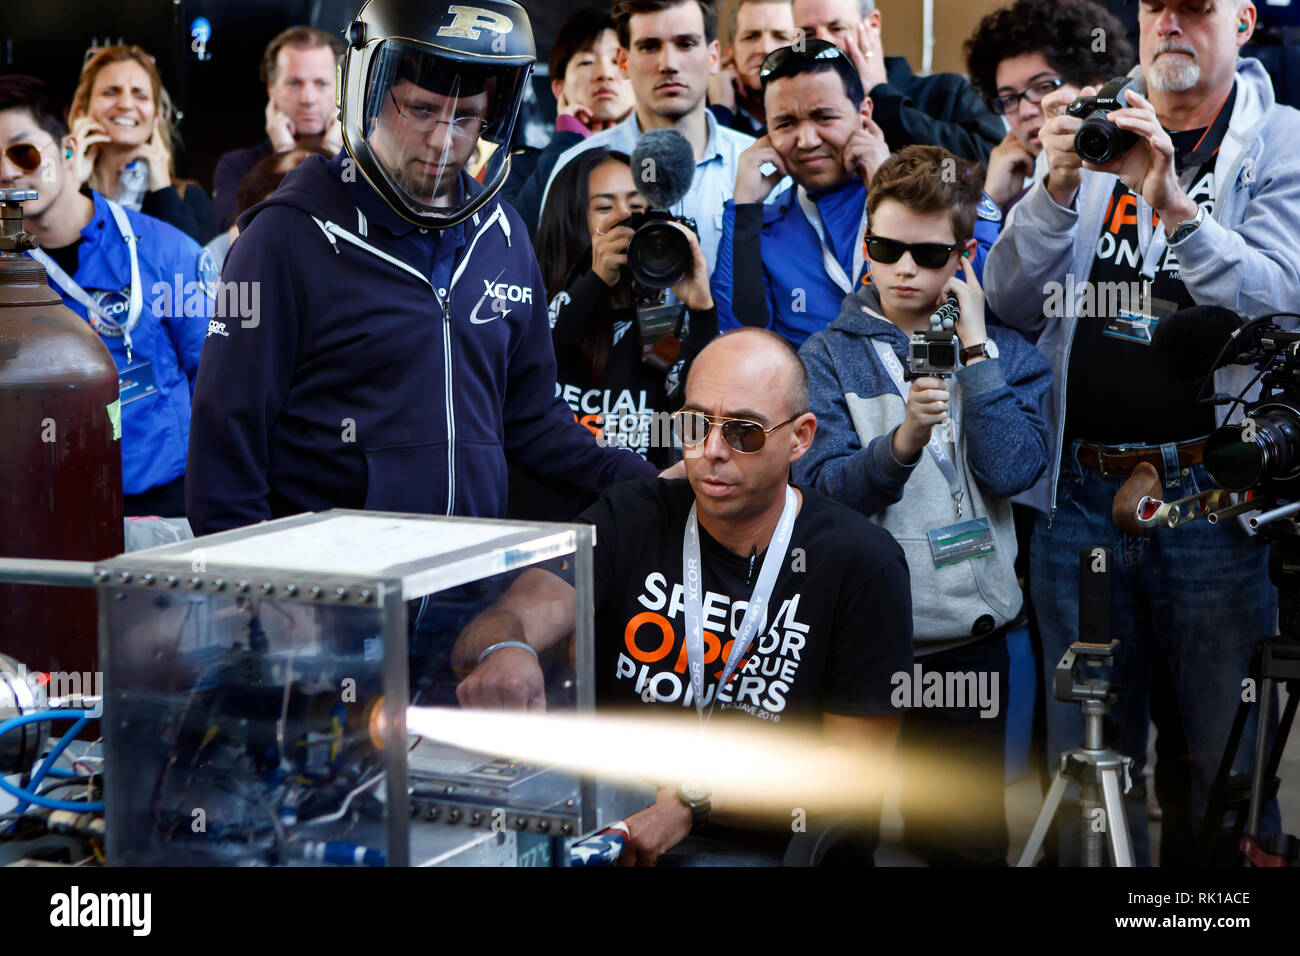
1275	659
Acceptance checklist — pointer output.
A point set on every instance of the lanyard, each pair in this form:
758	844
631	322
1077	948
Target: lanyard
829	262
936	446
1157	241
692	570
1204	150
100	320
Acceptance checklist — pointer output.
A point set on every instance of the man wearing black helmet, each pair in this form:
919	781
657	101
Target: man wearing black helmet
401	352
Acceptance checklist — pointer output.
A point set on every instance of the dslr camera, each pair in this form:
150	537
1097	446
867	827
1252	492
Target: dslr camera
658	255
934	352
1099	140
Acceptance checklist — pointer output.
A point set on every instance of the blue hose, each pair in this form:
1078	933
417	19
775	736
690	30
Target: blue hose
27	797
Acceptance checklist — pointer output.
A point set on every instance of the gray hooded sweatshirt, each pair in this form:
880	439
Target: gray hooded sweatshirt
1244	257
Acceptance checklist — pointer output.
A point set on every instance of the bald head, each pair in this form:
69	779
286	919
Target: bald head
757	360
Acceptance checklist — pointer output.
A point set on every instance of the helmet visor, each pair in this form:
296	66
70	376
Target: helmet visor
438	127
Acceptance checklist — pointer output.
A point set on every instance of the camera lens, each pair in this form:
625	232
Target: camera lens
659	255
1099	140
1266	446
1093	141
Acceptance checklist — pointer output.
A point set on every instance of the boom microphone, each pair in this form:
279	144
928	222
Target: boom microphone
663	165
1186	345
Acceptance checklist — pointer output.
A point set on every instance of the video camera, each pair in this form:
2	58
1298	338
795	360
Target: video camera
1257	461
1262	453
934	352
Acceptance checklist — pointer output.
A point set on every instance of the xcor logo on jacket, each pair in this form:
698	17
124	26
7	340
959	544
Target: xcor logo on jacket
500	293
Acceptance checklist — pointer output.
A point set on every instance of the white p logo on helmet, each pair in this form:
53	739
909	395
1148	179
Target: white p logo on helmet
469	21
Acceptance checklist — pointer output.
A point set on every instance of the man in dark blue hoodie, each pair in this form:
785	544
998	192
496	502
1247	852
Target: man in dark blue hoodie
402	349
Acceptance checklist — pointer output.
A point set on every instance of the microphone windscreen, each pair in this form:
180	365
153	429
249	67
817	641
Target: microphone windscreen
1186	344
663	165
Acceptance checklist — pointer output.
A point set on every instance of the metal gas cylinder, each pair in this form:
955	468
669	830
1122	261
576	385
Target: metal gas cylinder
60	455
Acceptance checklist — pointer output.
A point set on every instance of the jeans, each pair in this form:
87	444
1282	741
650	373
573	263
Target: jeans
953	795
1198	596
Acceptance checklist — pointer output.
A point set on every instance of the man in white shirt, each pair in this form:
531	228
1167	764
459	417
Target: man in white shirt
669	49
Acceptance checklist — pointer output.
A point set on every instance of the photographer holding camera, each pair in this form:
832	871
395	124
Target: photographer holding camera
935	463
669	50
620	381
1198	205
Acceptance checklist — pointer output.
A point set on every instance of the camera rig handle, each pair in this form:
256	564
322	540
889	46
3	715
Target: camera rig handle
1137	508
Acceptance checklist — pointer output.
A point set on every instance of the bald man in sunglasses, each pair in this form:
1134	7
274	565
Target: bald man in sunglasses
820	656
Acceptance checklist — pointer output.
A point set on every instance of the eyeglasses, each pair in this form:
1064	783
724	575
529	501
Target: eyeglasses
742	435
811	49
927	255
1035	94
424	120
26	156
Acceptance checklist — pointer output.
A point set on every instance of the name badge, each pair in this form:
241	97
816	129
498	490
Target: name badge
1138	324
955	543
136	381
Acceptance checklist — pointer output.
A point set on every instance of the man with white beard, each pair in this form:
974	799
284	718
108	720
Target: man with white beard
1203	209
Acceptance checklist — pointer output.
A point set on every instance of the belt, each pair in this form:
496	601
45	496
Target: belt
1118	461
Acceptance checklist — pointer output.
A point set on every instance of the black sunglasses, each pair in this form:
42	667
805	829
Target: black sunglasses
810	49
742	435
927	255
1035	94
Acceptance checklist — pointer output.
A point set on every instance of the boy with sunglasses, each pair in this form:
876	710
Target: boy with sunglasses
831	618
787	264
935	462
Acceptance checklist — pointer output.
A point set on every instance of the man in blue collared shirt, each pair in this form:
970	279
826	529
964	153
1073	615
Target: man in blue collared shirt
153	323
669	48
788	265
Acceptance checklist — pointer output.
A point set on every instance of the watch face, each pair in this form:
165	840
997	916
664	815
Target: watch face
695	791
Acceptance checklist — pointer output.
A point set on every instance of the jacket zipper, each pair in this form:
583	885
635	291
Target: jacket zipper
332	230
451	414
446	352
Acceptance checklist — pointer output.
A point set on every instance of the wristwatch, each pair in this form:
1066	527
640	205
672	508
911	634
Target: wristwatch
1186	227
698	798
988	349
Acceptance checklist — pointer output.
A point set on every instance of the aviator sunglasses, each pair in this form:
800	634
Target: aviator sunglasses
742	435
26	156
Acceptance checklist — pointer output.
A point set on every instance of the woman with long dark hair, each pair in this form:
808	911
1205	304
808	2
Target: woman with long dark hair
619	384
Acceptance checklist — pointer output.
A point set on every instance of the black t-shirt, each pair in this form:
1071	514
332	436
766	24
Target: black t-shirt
839	622
66	256
627	405
1116	394
621	407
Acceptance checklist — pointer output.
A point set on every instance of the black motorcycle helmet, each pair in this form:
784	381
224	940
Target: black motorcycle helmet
420	85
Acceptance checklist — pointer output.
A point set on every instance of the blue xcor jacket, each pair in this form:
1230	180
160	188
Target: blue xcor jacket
155	427
390	368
